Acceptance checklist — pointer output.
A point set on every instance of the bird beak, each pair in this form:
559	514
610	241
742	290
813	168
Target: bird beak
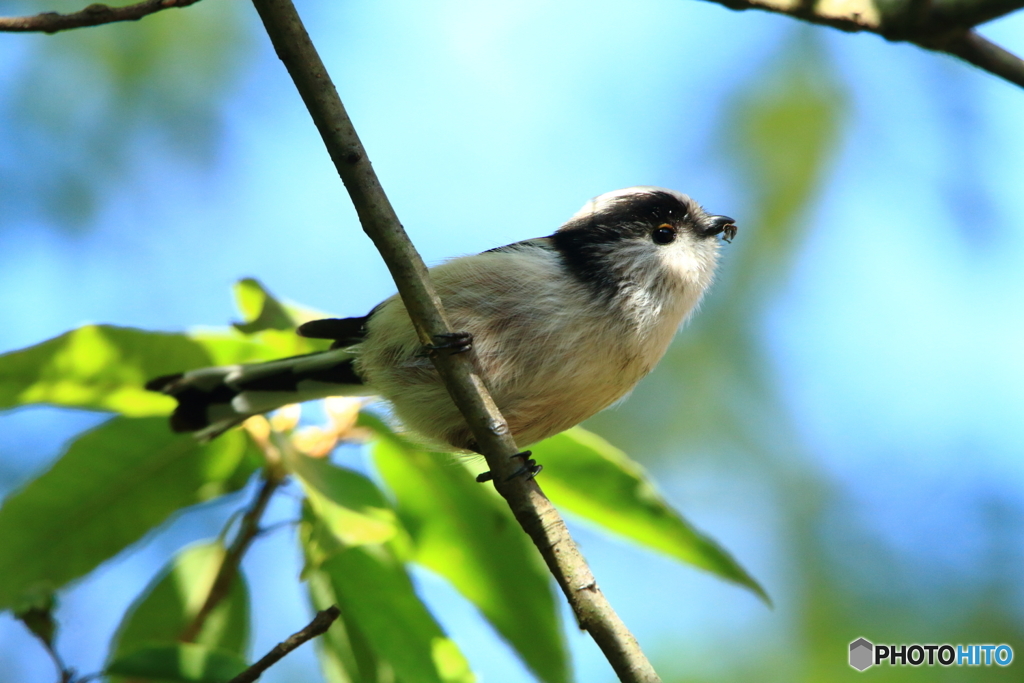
715	225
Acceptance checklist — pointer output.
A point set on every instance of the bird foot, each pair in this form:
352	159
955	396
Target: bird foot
452	342
530	469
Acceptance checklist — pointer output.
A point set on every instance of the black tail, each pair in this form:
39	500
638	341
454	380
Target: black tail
212	400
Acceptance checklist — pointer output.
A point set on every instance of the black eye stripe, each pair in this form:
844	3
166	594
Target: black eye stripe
663	235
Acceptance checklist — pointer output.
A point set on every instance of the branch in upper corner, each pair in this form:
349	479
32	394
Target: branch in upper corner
319	625
93	15
984	54
938	26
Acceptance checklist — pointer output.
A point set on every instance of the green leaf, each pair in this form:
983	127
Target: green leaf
259	308
272	322
465	533
376	595
174	597
99	367
348	504
102	367
185	662
226	347
589	477
113	485
344	652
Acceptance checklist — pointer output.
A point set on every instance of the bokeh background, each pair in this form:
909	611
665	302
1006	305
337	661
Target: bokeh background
846	413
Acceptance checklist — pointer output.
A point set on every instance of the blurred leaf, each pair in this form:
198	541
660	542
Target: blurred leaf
272	323
114	484
261	311
259	308
465	533
344	652
376	596
185	662
160	82
102	367
174	597
782	130
714	388
589	477
235	347
722	392
229	346
99	367
348	504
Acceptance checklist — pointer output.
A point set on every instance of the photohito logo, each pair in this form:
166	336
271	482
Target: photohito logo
864	654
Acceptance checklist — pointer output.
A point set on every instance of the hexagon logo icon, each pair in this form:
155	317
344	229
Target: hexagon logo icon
861	651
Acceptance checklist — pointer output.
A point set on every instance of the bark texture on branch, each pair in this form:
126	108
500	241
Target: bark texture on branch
534	511
93	15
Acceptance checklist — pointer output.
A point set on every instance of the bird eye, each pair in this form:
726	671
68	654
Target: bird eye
663	234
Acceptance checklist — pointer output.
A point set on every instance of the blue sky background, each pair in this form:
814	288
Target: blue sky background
893	341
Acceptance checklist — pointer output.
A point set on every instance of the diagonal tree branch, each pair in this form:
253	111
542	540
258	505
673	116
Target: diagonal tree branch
460	373
966	14
979	51
932	24
321	622
93	15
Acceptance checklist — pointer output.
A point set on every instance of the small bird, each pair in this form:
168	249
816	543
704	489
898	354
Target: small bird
563	326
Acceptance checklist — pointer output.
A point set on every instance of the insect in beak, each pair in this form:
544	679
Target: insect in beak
722	225
729	232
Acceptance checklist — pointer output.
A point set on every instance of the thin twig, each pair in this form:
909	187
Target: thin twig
460	372
39	620
93	15
321	622
66	674
247	531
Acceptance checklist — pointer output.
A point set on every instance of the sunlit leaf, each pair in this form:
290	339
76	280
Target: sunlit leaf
229	346
376	595
113	485
172	600
466	534
98	367
259	309
348	504
262	311
103	367
272	323
184	662
589	477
